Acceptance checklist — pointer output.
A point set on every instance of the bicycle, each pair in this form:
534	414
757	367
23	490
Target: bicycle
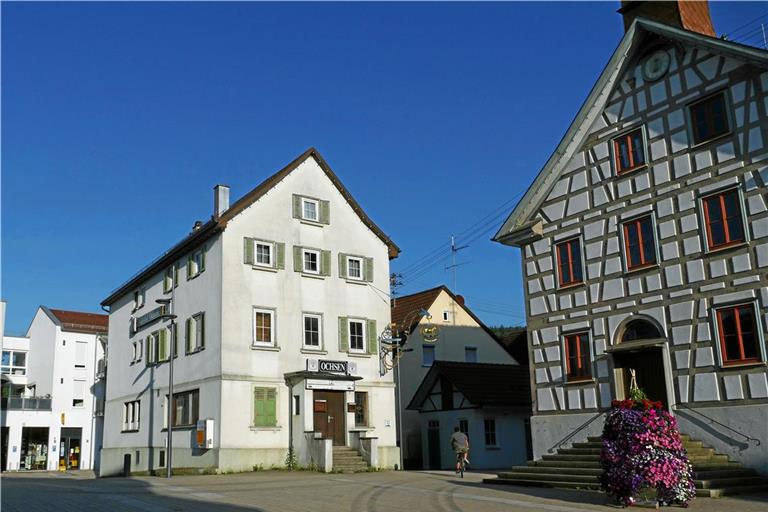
461	463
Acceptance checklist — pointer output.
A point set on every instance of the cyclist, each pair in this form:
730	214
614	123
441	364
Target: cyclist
460	445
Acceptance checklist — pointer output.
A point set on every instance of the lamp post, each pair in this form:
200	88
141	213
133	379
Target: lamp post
171	354
396	341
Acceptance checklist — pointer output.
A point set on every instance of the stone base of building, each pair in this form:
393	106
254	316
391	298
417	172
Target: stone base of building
550	432
223	460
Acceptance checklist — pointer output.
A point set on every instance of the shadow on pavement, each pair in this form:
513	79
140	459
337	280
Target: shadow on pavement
22	492
568	495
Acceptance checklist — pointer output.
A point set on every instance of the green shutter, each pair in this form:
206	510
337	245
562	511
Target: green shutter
175	339
189	267
373	347
162	345
188	329
258	407
343	334
202	260
297	260
342	266
368	269
248	250
325	212
201	341
146	350
325	263
270	408
296	206
175	275
280	256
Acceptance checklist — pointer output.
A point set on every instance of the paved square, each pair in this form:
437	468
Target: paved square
279	491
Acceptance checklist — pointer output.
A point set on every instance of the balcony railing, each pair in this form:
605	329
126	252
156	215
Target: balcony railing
21	403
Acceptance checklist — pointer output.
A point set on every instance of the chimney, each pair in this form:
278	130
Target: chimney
220	200
690	15
460	300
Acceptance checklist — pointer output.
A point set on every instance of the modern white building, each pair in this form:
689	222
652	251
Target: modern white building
440	327
644	240
52	392
279	300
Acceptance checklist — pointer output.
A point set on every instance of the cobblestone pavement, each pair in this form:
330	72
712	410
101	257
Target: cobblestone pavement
277	491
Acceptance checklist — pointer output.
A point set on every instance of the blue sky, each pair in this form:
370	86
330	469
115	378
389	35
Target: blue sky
119	118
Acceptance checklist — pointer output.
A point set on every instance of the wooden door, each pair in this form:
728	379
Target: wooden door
329	415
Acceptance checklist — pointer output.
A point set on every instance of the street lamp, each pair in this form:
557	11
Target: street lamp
396	342
170	316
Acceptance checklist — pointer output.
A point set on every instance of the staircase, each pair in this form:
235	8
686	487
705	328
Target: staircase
347	460
579	467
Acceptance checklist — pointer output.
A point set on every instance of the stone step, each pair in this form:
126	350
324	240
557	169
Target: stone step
717	457
541	483
346	455
599	445
724	473
573	458
730	491
721	483
550	477
579	451
570	464
557	469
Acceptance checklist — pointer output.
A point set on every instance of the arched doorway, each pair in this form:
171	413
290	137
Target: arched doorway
640	346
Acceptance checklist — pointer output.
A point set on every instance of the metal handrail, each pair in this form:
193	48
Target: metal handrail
573	434
748	438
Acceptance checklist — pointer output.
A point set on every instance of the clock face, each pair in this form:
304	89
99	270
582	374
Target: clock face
656	66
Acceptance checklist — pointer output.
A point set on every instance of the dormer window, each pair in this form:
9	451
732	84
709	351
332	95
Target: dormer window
629	151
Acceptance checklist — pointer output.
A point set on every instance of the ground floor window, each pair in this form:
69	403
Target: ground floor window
490	432
185	408
131	415
264	407
361	409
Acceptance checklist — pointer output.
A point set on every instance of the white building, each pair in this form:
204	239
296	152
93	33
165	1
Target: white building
279	303
459	336
644	240
53	388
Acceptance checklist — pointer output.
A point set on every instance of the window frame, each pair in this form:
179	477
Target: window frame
170	278
362	322
319	318
271	246
361	262
704	217
727	108
131	416
193	421
423	359
10	368
627	134
560	284
470	349
625	242
566	359
199	266
720	338
316	203
365	409
304	252
272	327
139	298
199	346
493	432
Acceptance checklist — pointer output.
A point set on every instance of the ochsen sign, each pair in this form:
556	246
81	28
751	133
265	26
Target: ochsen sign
333	366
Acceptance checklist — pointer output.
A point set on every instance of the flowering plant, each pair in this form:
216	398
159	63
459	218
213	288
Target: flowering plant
642	449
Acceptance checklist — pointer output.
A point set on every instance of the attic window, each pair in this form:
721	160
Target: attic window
629	151
709	118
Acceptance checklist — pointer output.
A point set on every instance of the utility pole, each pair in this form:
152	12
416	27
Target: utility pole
453	266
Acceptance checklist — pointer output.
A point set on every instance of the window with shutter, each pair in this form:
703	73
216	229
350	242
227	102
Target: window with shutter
248	250
368	270
370	330
280	255
343	273
343	334
264	407
356	336
325	212
78	393
354	270
325	263
80	350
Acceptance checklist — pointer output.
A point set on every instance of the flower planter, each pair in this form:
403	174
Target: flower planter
643	458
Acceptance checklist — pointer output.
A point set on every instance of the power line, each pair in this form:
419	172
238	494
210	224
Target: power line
730	34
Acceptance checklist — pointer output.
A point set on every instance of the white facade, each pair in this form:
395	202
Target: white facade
676	296
244	368
461	337
51	412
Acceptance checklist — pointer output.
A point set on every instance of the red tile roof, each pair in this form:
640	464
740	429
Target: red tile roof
81	322
405	309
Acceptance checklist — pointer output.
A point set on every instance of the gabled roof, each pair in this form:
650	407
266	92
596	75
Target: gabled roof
217	225
520	220
405	309
484	385
77	321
